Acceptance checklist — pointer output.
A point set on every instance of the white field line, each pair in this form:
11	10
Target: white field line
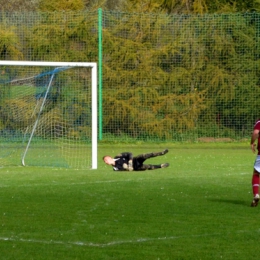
54	183
112	243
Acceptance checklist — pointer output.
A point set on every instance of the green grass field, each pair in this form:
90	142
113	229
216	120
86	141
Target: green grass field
198	208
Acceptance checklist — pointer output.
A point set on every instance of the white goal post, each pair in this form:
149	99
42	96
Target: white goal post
93	109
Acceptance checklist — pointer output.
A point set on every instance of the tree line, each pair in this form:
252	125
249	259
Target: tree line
164	76
180	76
155	6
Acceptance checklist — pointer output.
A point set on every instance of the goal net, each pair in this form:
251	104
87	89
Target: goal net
48	114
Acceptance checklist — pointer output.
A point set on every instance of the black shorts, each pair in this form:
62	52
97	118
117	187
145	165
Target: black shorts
138	163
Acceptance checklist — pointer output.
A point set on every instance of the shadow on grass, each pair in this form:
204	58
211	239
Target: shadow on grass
230	201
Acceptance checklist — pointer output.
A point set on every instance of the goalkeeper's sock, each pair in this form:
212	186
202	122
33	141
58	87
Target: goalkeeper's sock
150	167
255	184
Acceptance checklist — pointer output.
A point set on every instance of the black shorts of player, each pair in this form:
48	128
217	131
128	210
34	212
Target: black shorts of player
138	163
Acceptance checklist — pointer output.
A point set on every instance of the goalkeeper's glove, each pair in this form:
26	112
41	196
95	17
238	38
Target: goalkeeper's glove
130	165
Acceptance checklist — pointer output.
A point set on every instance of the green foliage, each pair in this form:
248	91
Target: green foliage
199	72
163	76
16	114
228	6
18	5
10	47
64	36
209	6
61	5
148	114
140	6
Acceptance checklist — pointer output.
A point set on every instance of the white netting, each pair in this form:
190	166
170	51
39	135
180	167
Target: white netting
46	116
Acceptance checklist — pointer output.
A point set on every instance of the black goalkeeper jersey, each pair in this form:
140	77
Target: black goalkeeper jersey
120	160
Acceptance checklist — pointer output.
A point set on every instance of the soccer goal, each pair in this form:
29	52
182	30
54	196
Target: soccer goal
48	114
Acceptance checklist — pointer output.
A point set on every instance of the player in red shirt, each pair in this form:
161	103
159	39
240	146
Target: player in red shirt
255	178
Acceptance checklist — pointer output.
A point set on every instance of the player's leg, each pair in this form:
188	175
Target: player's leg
255	188
255	182
150	155
153	167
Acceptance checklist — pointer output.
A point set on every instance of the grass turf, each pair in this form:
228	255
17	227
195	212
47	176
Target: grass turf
198	208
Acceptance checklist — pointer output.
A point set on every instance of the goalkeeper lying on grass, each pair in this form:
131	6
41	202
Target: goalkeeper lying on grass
126	161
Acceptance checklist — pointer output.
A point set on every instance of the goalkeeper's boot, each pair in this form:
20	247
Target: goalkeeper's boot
165	151
165	165
255	201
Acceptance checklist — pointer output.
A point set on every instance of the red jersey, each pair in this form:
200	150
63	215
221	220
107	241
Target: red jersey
257	127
